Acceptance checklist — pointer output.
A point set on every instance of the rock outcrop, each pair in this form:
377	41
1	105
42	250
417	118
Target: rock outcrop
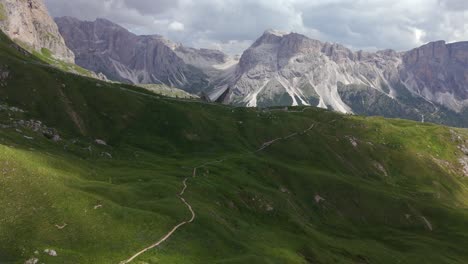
291	69
103	46
28	23
438	72
429	83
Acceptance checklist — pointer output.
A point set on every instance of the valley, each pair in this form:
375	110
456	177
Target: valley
351	189
124	148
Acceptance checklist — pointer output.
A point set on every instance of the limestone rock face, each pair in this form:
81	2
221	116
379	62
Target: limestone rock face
429	83
28	23
103	46
291	69
439	72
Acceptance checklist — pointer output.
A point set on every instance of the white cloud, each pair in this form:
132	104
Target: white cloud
176	26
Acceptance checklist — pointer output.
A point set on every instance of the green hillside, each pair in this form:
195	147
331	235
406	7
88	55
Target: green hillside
323	187
164	90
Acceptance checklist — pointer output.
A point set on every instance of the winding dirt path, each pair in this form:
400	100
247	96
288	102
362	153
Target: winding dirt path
194	175
168	235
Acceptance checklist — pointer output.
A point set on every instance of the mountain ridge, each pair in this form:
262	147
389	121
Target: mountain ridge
292	69
93	172
283	69
28	22
131	58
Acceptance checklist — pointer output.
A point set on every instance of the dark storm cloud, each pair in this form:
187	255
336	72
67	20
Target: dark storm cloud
232	25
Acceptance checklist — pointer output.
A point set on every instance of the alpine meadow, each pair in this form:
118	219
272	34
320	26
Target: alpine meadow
99	168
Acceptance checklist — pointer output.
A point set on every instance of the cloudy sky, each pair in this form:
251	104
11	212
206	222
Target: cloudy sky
232	25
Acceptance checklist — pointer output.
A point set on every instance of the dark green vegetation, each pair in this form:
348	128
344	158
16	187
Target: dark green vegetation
386	183
368	101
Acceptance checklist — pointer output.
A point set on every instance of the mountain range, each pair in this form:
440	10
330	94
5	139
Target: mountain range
280	69
429	83
308	71
100	172
103	46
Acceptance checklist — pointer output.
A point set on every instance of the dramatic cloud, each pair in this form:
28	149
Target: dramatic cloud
176	26
232	25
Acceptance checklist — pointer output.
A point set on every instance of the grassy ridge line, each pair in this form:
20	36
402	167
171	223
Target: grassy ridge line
320	133
254	208
45	59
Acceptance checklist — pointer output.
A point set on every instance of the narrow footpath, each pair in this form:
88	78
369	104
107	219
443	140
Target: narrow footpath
264	146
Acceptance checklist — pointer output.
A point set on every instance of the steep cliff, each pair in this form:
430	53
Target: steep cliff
28	23
291	69
106	47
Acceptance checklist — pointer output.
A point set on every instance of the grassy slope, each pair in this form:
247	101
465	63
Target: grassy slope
164	90
46	56
155	143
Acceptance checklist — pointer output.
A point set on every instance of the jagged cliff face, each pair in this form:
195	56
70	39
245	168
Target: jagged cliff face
438	72
291	69
103	46
28	23
200	58
280	69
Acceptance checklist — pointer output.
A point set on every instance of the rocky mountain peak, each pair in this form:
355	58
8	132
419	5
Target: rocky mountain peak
439	51
109	25
277	37
434	50
292	69
275	32
171	44
280	68
106	47
439	71
29	23
269	37
272	47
